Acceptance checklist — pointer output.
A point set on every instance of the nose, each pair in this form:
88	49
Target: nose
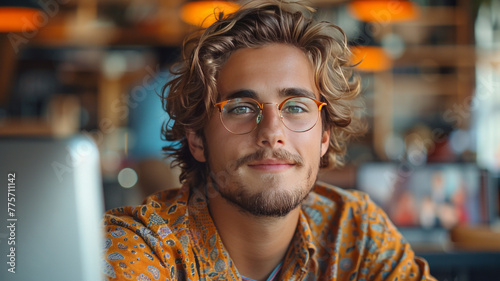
270	130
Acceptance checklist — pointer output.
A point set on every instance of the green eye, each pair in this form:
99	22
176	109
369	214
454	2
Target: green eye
294	107
240	108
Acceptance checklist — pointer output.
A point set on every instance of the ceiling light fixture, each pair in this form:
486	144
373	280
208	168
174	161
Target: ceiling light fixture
383	11
204	13
370	58
19	15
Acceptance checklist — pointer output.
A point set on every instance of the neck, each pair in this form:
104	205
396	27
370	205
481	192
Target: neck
256	244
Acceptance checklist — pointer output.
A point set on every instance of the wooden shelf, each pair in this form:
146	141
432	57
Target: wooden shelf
451	55
430	84
437	16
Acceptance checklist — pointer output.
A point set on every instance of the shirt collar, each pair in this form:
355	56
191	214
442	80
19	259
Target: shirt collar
206	241
302	247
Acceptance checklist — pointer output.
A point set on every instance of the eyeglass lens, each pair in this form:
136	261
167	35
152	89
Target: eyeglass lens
242	115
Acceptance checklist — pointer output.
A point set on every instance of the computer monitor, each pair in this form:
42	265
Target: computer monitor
51	209
424	202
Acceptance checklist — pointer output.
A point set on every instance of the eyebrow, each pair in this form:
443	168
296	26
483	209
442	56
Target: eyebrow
300	92
242	94
285	92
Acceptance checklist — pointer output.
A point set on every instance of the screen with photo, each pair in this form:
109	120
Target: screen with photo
430	196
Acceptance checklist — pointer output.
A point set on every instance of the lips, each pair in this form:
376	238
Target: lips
271	165
270	162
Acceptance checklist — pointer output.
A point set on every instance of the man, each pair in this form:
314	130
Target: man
260	102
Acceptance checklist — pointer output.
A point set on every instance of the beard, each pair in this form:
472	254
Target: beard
274	201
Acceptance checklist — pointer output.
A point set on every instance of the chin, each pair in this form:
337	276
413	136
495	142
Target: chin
272	197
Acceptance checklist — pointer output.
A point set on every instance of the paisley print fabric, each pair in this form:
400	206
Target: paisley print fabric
341	235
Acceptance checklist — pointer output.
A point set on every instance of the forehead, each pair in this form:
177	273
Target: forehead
267	71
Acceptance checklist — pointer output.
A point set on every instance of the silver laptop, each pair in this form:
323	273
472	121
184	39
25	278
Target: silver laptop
51	209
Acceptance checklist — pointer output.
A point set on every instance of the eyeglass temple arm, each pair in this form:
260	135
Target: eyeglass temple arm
221	104
320	104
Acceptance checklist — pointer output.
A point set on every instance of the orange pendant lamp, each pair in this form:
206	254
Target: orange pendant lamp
19	15
383	11
204	13
370	58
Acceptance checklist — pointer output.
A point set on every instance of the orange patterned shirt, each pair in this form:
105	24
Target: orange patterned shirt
341	235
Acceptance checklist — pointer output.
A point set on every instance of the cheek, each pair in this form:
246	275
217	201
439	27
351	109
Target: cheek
311	146
220	147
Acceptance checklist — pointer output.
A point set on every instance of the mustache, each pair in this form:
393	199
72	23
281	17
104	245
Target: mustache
266	153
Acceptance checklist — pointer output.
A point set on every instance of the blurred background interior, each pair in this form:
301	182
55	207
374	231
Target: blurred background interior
431	88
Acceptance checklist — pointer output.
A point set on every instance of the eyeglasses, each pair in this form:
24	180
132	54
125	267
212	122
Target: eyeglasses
242	115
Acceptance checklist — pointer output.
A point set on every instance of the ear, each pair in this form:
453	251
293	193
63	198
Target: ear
196	146
325	142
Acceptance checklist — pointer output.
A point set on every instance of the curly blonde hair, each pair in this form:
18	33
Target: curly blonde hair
189	98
